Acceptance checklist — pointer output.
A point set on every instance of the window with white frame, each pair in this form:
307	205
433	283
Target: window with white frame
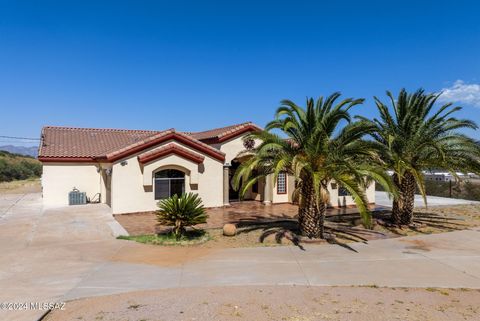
282	183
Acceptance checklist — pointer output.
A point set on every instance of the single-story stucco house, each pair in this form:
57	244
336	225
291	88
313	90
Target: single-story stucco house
130	170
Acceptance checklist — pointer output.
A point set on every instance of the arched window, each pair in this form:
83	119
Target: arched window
168	183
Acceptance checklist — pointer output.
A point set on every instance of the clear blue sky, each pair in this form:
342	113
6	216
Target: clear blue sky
194	65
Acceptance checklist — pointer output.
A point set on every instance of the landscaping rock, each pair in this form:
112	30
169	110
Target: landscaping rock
229	230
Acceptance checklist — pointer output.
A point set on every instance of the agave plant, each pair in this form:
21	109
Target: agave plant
316	151
181	212
412	136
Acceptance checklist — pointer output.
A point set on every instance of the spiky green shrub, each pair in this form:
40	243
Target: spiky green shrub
181	212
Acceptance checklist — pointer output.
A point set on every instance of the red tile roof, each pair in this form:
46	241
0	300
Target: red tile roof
168	149
70	142
91	144
164	136
219	135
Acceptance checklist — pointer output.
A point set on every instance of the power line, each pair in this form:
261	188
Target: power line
16	142
22	138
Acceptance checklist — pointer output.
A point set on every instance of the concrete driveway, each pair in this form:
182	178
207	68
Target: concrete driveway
44	254
67	253
381	198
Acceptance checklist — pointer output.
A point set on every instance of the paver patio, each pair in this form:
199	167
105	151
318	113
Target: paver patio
239	212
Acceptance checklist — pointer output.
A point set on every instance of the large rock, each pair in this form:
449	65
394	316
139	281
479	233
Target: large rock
229	230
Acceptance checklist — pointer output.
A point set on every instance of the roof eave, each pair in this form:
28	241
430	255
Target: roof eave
191	142
46	159
198	159
231	135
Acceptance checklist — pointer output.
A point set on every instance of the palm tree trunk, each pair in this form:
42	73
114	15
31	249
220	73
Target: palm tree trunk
322	209
310	215
402	211
407	217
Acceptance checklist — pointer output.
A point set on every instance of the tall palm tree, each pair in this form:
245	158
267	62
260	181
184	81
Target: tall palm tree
413	136
317	151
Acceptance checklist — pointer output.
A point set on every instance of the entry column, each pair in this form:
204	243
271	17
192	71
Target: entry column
226	185
268	190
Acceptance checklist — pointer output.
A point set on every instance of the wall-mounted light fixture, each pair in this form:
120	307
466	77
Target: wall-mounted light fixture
123	163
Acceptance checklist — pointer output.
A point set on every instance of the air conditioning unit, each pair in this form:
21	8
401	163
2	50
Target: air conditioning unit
75	197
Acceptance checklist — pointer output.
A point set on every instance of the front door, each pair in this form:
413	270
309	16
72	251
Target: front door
233	195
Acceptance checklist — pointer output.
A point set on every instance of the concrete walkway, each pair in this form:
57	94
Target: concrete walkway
67	253
381	199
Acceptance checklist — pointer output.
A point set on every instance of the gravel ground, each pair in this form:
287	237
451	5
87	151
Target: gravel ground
292	303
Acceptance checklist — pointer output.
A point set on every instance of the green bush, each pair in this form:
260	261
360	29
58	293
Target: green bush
189	238
181	212
17	167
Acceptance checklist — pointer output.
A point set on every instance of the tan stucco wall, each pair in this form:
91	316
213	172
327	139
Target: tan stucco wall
340	201
130	194
335	200
371	193
58	179
232	147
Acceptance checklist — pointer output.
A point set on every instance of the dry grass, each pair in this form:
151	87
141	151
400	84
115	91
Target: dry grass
20	187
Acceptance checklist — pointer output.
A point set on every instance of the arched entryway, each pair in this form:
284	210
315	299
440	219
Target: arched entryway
254	192
169	182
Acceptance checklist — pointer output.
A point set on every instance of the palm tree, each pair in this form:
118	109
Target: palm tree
317	151
413	137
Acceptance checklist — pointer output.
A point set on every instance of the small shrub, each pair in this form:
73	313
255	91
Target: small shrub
181	212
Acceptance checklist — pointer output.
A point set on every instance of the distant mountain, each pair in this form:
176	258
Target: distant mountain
22	150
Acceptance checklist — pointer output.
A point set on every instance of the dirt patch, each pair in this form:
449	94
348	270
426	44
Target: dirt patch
434	219
418	245
291	303
244	238
158	255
